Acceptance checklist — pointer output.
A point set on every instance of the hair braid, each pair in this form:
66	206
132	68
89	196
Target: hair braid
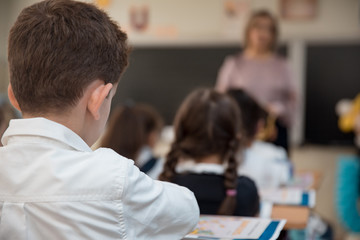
228	205
172	159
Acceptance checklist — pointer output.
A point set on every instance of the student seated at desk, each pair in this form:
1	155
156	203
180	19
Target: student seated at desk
65	62
263	162
202	156
348	172
132	132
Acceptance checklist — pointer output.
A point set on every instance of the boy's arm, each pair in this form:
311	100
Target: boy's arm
165	210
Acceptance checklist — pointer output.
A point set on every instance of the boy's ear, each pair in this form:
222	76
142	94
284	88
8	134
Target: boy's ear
12	98
97	98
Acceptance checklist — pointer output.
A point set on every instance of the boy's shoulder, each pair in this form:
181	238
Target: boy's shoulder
101	173
107	161
107	154
65	174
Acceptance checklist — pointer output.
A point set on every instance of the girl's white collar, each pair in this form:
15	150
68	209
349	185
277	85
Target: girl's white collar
190	166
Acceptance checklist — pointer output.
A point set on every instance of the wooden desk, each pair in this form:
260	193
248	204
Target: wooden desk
296	216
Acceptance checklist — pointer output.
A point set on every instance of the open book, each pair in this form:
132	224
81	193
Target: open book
228	227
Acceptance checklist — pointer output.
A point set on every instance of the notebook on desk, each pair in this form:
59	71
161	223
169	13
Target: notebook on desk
289	196
236	228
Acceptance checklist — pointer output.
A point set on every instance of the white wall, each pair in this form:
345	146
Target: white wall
338	19
202	22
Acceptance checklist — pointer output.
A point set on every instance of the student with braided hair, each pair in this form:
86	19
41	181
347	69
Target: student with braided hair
202	156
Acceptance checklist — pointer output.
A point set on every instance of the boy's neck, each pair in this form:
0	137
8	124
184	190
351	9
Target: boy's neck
71	120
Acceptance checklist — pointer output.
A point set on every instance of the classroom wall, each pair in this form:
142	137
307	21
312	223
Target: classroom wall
201	23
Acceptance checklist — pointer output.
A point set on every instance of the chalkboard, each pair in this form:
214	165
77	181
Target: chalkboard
333	73
162	77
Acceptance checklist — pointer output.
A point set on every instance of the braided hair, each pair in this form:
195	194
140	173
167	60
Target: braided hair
207	124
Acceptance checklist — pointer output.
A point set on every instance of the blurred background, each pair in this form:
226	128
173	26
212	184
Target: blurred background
181	45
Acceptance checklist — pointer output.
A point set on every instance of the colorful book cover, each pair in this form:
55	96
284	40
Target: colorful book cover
236	228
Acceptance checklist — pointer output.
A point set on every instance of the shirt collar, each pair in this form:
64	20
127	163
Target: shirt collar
42	127
190	166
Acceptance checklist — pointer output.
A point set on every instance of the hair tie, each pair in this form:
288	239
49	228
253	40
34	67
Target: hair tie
231	192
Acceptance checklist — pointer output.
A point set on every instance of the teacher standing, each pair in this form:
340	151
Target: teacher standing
262	73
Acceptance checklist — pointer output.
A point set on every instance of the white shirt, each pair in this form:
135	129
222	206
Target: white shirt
266	164
53	186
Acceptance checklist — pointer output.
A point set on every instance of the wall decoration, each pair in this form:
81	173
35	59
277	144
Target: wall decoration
103	3
235	8
298	9
139	17
235	14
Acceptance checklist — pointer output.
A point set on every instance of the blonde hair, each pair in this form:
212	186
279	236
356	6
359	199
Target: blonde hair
274	29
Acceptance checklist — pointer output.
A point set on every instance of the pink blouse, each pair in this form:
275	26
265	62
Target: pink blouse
268	80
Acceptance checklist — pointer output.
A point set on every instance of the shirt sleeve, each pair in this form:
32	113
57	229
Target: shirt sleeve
224	75
163	210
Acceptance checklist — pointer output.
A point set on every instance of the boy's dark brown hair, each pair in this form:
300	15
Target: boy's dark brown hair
129	129
206	124
57	48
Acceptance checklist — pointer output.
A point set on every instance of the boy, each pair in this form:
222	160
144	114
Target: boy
65	59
